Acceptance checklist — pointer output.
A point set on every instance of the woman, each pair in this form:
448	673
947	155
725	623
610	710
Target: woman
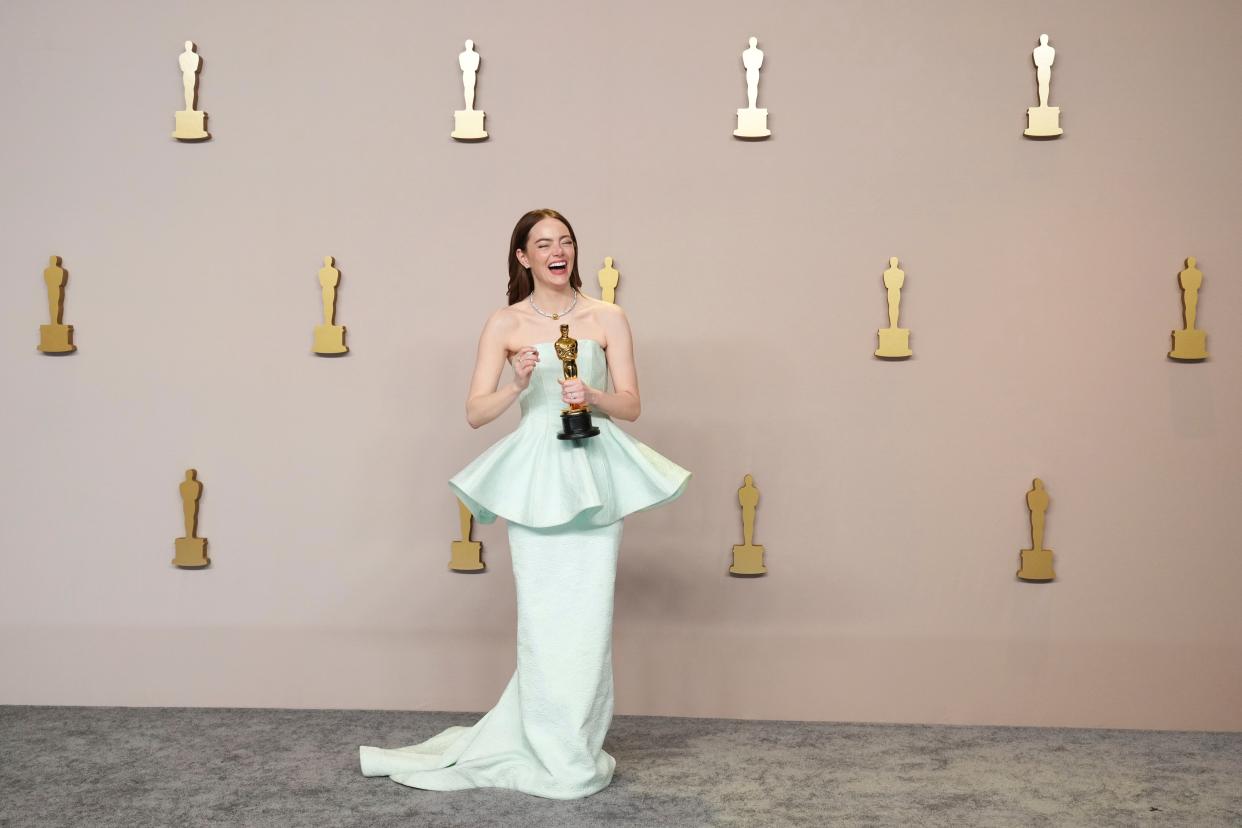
564	501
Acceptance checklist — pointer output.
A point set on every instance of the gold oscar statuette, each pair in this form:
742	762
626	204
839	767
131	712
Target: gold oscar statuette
329	338
1043	121
894	341
468	122
1037	561
56	338
747	556
1190	343
608	278
191	550
575	420
191	124
466	554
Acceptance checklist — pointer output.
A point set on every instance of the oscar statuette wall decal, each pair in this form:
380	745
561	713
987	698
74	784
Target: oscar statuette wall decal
1043	121
56	338
894	341
468	122
608	278
747	556
752	123
466	554
191	124
191	550
329	337
1037	561
1190	343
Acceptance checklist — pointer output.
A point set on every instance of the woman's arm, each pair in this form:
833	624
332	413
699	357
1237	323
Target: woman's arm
485	402
624	403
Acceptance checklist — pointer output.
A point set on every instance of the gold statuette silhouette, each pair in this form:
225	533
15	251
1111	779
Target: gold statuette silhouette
56	338
1037	561
1043	121
466	554
894	341
1190	343
329	338
468	122
752	123
608	278
747	556
191	124
191	550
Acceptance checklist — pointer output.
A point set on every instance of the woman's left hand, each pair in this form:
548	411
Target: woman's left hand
576	391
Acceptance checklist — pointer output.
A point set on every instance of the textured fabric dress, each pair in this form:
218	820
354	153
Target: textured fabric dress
564	501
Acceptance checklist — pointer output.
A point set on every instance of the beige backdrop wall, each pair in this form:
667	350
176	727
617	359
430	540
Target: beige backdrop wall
1041	290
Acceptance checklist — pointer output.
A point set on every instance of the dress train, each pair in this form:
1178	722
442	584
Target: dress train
545	735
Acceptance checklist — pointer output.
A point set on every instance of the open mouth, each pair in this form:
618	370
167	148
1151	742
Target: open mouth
558	267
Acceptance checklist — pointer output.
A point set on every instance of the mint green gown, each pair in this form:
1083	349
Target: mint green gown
564	502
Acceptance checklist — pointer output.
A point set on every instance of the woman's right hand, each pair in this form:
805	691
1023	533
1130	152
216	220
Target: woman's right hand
524	362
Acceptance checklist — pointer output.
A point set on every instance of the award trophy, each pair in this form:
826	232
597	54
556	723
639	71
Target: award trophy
468	122
1190	343
56	338
1037	561
894	341
752	122
191	124
191	550
329	338
608	278
465	553
576	420
748	556
1043	121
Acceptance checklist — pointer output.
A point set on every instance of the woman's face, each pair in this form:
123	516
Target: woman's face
549	253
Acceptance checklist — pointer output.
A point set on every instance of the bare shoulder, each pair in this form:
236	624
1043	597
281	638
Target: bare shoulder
610	314
615	324
610	309
503	320
500	325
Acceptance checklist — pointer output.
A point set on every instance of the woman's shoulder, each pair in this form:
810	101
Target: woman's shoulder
499	329
601	309
504	319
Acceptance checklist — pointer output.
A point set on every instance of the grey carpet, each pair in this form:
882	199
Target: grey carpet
131	767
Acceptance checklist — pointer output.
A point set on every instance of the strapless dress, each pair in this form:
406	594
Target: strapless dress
532	478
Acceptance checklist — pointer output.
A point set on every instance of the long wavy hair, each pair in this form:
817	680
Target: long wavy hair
521	282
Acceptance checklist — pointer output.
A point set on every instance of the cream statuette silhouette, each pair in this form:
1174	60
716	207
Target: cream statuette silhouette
191	124
894	341
751	121
608	279
468	122
1190	343
329	337
1043	121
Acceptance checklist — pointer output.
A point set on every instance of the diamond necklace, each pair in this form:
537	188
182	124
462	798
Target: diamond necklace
553	315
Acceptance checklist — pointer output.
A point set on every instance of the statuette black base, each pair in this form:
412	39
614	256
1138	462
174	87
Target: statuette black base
576	425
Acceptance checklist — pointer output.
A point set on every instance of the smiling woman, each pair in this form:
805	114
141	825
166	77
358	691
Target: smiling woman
564	501
552	248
